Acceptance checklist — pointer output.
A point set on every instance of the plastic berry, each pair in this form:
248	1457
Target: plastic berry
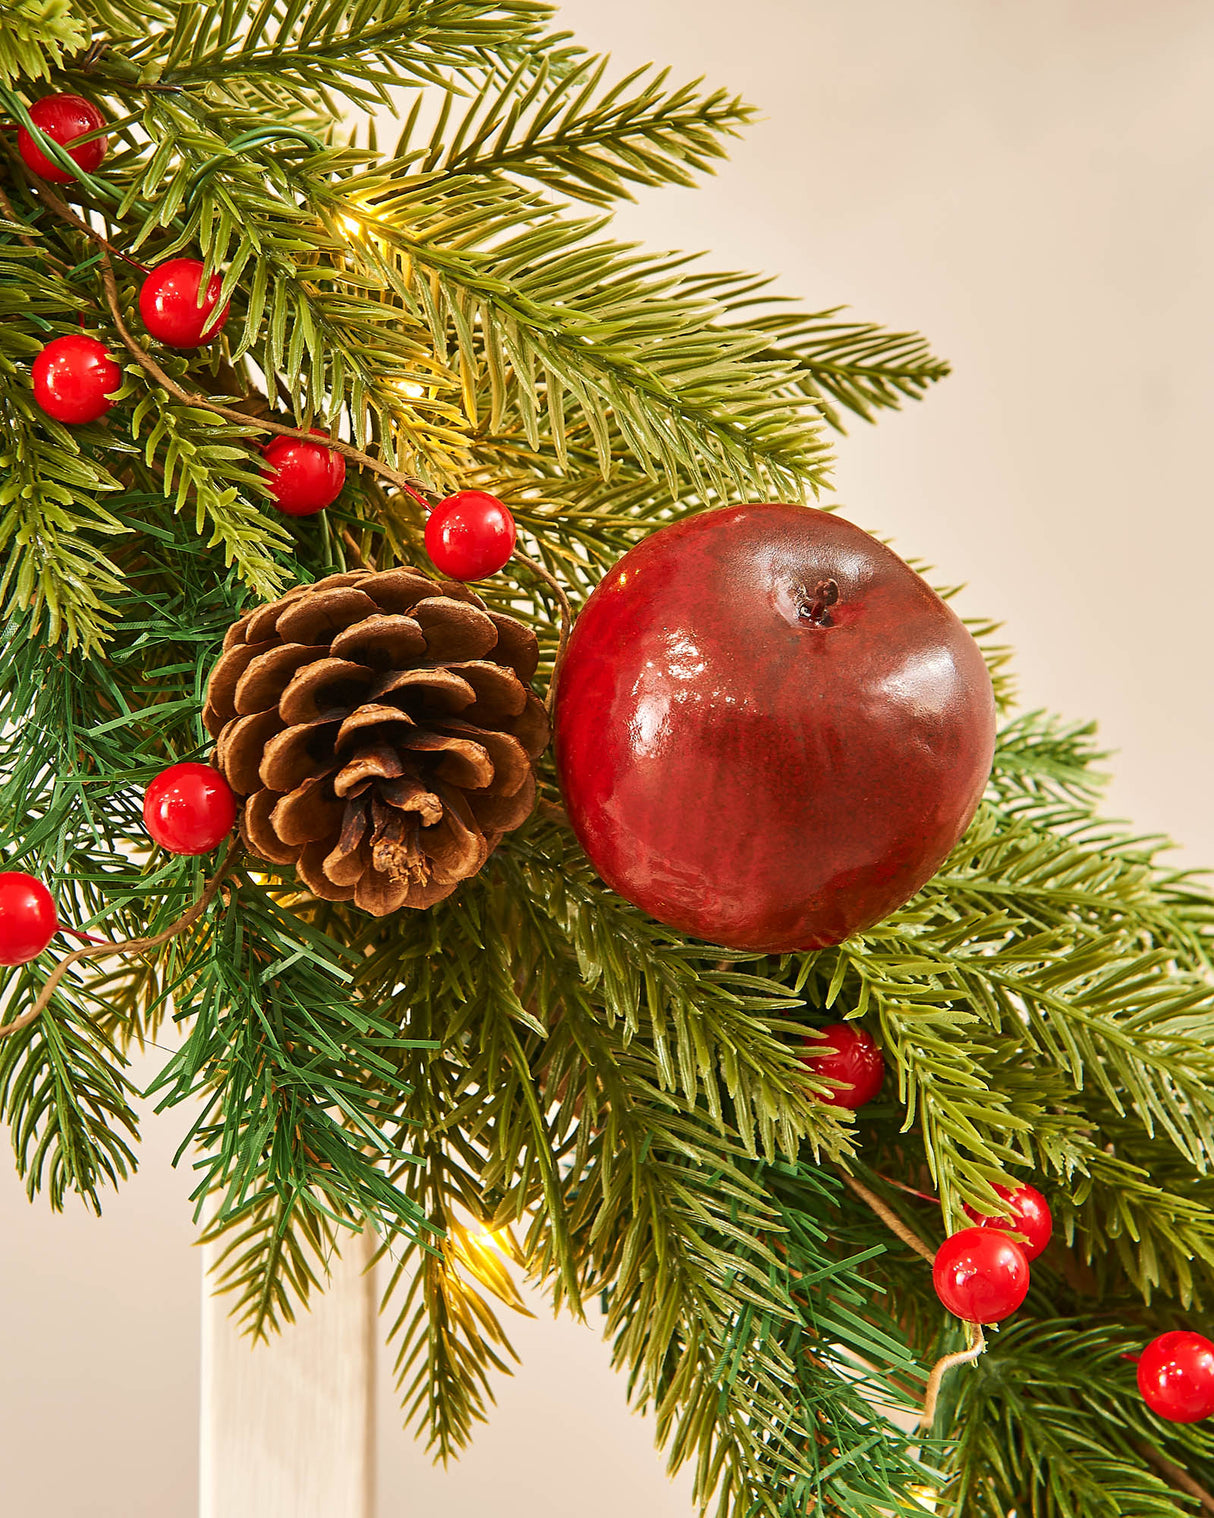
1176	1376
189	808
981	1275
856	1060
303	477
470	535
1028	1214
62	118
28	920
74	379
168	304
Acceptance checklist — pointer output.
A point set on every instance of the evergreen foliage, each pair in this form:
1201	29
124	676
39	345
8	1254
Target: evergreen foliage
533	1069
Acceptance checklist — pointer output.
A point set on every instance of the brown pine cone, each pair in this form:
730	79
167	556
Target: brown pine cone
382	731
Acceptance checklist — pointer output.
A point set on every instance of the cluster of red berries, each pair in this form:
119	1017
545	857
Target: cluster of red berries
469	536
981	1274
187	809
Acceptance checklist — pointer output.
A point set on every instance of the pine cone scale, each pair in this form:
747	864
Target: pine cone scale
375	761
443	686
268	675
316	618
325	686
394	737
307	814
383	642
289	757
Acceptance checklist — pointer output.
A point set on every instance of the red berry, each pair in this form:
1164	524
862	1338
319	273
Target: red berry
304	477
62	118
74	376
980	1275
28	920
1176	1377
189	808
856	1060
168	304
470	535
1028	1214
770	731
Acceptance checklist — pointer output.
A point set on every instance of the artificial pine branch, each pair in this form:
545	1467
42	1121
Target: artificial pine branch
534	1057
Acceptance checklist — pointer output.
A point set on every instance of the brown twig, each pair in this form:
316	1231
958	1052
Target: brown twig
254	424
356	552
1177	1476
890	1218
6	206
566	620
124	946
977	1345
65	213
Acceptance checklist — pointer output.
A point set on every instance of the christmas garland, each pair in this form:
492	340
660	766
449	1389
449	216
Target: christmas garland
731	1098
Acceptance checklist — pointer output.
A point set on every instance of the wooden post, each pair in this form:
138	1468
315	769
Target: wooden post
288	1428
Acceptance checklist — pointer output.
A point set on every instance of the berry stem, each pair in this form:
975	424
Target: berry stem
65	213
77	933
1175	1474
924	1196
977	1344
566	620
254	424
123	946
891	1219
422	500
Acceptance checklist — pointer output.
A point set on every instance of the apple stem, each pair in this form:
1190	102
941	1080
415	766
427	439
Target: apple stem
826	593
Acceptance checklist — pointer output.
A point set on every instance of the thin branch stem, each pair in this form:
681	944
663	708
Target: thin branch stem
977	1345
355	551
891	1219
558	591
65	213
6	206
253	424
1177	1476
124	946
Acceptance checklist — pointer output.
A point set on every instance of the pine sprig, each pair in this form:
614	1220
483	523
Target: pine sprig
549	121
35	36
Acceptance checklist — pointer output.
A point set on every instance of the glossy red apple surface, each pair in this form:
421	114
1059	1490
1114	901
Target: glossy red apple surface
770	730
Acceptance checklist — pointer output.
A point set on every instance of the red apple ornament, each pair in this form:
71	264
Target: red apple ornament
62	118
770	730
856	1060
1028	1214
28	920
1176	1376
981	1276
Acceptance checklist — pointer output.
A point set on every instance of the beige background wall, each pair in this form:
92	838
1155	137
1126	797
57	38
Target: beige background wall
1030	185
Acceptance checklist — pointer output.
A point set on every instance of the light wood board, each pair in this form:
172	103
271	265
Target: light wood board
288	1427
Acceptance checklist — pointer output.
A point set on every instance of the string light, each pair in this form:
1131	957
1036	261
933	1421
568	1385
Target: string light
487	1239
